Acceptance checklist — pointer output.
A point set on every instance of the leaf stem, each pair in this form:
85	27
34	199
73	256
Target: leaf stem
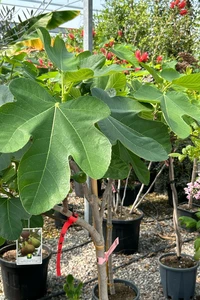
62	87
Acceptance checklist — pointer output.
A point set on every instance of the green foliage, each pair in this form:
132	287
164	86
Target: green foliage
89	111
2	241
149	26
11	213
192	223
188	221
73	291
132	128
48	123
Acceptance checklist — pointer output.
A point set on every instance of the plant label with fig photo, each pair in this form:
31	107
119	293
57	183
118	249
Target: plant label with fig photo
29	247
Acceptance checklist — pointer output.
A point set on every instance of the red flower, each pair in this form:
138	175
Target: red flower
172	4
176	2
41	62
106	45
144	57
138	54
183	12
103	50
141	57
159	59
119	32
111	43
109	55
82	33
182	4
71	36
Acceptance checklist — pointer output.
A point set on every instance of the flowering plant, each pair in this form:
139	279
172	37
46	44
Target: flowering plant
193	189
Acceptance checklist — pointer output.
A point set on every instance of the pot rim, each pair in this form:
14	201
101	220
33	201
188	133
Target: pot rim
129	283
13	247
178	269
193	204
140	217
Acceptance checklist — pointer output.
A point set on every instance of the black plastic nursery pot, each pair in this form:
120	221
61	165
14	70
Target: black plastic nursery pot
130	196
128	232
178	283
24	282
127	283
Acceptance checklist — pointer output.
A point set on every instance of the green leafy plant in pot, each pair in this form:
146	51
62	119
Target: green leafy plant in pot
176	98
55	122
19	281
74	121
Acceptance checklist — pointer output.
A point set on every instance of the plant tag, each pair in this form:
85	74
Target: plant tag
29	247
102	260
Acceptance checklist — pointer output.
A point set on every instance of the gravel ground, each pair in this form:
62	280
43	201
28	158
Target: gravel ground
156	237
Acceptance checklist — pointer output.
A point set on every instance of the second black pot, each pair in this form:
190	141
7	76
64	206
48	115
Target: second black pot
128	283
128	232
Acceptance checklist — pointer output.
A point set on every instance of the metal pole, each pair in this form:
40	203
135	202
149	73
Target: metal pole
87	18
88	45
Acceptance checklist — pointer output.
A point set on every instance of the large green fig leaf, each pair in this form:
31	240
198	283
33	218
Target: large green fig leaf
176	105
147	139
5	95
57	131
5	159
11	215
191	81
58	54
147	93
111	69
153	72
137	164
93	62
118	169
122	158
79	75
170	74
33	222
123	52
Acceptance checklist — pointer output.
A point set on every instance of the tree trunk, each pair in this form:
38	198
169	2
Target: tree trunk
175	202
109	239
99	247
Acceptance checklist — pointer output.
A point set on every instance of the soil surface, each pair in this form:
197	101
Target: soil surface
185	206
183	262
11	255
122	292
125	215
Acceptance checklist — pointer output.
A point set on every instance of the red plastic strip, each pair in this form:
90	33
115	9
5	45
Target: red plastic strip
64	229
